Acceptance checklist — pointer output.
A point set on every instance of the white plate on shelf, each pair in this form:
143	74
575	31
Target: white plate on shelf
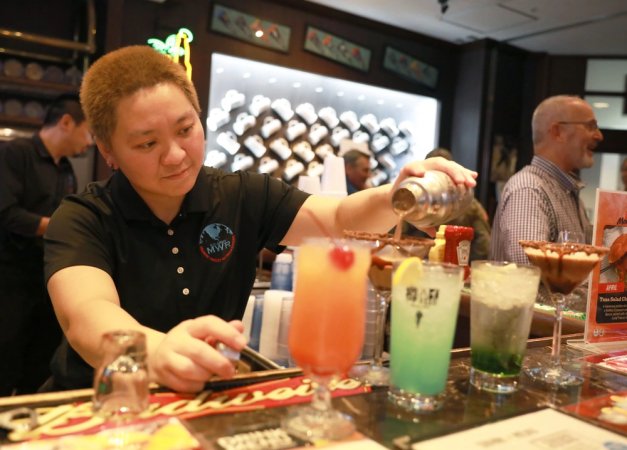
13	68
34	71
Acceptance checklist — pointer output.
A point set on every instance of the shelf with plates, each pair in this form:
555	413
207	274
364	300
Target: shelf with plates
29	122
27	86
34	88
36	68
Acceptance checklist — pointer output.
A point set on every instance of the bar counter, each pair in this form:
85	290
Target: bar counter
377	419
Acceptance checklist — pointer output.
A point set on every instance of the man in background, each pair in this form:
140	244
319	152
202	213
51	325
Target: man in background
542	199
357	166
35	175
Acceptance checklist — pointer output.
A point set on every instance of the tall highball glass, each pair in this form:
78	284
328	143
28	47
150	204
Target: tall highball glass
386	250
425	302
501	309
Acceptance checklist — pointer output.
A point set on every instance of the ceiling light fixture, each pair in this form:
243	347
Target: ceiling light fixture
443	6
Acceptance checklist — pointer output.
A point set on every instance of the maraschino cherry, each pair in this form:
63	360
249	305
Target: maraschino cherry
342	257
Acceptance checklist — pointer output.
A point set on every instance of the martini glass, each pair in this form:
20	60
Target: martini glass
563	267
385	251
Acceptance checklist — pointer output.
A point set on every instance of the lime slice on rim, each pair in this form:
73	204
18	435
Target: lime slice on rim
408	271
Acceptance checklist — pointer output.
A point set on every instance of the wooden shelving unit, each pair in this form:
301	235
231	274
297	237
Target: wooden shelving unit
32	88
25	90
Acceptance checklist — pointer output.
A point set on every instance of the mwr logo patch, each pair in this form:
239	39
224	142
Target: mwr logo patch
217	242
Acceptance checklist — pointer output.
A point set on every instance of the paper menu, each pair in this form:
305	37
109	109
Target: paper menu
540	430
606	315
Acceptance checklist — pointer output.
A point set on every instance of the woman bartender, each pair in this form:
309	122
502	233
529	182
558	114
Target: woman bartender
166	246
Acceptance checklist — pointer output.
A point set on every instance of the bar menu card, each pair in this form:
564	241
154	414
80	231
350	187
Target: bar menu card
545	429
606	317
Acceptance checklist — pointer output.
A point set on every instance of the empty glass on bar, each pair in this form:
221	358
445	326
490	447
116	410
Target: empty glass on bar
501	309
121	382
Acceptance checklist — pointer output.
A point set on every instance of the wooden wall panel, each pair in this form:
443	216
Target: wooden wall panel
143	19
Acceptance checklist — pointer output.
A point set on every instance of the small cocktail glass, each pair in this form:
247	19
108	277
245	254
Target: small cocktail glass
563	267
502	296
385	251
327	328
121	381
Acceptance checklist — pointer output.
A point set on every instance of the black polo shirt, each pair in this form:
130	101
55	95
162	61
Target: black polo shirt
204	262
31	187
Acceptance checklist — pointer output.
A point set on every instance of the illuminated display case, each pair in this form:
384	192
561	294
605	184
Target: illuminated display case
283	121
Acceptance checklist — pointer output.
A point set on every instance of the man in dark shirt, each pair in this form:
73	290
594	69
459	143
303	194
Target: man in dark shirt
357	166
35	175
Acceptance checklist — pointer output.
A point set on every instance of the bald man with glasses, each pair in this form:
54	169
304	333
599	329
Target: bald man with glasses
542	199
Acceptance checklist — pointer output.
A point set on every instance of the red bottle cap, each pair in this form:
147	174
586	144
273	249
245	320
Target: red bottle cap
457	248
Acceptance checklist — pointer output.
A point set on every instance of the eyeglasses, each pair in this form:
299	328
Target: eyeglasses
590	125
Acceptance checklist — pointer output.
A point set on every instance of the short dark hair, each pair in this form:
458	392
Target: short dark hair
351	157
440	151
64	104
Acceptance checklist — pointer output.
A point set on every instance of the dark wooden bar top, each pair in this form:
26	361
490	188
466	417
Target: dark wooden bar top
376	418
465	407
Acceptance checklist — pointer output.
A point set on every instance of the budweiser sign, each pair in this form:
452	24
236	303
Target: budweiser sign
77	418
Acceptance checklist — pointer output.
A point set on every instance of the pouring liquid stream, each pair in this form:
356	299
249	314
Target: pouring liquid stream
398	232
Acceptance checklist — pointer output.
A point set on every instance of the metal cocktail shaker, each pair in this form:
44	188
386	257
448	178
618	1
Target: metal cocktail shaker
431	200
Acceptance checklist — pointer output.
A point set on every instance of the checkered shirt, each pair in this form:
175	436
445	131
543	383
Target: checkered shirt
536	204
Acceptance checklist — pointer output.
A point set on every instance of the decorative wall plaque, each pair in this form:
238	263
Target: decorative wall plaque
250	29
409	67
337	49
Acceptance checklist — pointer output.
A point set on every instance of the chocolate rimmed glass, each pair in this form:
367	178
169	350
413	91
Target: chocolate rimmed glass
563	266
